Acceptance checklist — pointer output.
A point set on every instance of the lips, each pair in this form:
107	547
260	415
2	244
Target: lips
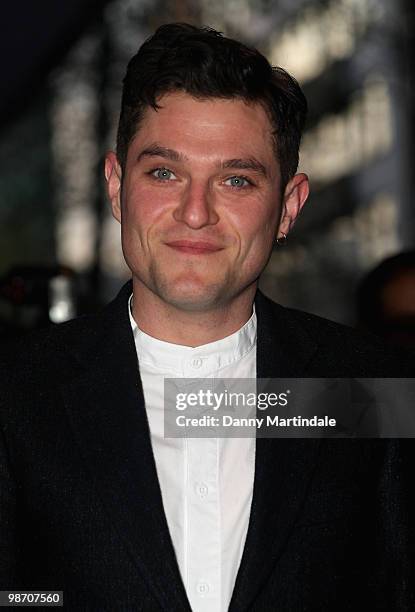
195	247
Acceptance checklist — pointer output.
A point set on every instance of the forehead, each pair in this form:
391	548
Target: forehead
209	126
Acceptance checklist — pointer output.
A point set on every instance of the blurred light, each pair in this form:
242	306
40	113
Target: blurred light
75	235
61	303
372	230
111	255
376	227
75	155
341	144
319	36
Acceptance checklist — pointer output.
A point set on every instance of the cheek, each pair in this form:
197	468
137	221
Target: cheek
141	211
256	236
258	229
260	247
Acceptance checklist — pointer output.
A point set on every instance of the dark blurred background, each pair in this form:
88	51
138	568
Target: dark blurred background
62	66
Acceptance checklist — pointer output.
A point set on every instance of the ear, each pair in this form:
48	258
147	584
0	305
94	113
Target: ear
113	178
295	196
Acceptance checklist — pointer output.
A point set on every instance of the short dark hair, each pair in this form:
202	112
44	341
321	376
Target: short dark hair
205	64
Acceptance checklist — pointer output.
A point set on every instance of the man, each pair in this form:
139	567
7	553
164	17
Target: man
94	500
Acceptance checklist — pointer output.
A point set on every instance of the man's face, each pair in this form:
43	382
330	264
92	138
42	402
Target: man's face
200	203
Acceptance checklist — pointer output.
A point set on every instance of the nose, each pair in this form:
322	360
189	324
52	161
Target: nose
196	208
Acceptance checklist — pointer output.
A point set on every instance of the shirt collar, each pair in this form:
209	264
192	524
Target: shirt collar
203	360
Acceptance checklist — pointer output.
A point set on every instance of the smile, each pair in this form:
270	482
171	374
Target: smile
194	247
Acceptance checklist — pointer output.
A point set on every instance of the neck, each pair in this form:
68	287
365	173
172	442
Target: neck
189	328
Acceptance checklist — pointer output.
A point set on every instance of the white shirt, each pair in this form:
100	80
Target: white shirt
206	483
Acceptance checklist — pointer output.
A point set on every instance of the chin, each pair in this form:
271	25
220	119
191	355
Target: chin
194	298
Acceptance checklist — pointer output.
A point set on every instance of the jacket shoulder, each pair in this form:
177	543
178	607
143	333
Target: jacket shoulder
336	350
43	355
55	351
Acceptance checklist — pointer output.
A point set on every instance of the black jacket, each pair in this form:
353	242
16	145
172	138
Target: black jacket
80	505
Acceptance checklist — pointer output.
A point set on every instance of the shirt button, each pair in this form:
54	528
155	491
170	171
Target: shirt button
203	588
202	489
197	363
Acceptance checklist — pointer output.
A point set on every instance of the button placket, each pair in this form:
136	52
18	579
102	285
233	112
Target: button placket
203	518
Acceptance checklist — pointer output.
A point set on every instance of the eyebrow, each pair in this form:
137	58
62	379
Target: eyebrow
156	150
245	164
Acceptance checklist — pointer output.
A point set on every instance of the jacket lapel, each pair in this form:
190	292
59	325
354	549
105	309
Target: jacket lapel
283	467
106	409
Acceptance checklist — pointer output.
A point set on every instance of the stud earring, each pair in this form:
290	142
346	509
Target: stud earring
281	241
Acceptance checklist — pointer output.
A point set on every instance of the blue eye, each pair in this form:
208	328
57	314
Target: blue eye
238	181
163	174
